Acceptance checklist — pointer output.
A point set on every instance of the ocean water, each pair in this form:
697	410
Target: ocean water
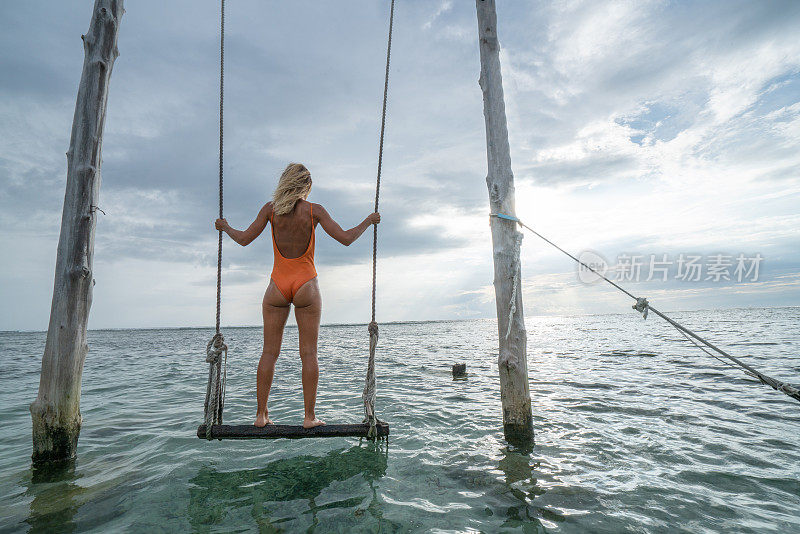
636	431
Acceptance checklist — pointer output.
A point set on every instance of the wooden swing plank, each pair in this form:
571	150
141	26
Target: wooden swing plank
290	431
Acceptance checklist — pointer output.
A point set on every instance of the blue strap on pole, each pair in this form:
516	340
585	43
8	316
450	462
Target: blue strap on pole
504	216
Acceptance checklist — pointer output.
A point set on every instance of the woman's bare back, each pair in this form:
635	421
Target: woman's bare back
293	231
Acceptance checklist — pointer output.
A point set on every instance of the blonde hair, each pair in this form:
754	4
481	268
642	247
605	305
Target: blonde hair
293	185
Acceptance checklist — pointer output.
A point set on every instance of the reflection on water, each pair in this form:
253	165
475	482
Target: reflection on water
216	495
521	485
55	499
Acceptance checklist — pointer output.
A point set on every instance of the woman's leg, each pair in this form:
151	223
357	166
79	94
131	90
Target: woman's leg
307	311
275	309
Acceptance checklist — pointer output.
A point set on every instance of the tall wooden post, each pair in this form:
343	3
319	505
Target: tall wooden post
56	411
506	240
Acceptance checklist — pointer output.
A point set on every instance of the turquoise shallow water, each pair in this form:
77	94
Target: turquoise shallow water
635	432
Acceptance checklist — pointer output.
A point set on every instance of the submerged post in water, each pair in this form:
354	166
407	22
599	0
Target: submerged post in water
506	240
56	411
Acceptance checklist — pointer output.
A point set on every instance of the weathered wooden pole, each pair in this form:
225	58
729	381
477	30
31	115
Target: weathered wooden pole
56	411
506	240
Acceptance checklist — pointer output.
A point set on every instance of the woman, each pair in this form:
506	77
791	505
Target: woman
293	280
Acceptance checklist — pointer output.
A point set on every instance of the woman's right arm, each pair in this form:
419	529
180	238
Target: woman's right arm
245	237
332	228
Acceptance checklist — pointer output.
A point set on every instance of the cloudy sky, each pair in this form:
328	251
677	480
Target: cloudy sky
637	129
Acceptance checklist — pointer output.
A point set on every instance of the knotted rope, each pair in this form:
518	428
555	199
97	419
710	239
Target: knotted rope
217	369
370	385
643	306
216	356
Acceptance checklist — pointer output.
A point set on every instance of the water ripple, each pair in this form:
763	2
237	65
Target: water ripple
636	432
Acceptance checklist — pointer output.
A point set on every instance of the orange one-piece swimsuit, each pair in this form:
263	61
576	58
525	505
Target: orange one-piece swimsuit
289	274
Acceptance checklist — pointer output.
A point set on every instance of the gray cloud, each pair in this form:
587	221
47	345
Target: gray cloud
614	96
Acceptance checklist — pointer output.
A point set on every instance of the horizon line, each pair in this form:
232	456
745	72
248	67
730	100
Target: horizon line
409	321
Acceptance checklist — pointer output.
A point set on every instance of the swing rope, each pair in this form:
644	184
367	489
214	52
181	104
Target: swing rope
643	307
216	349
221	138
370	385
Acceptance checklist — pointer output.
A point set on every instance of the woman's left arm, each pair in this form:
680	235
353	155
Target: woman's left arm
245	237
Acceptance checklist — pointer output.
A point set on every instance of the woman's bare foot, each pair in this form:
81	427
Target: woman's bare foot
311	423
262	420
